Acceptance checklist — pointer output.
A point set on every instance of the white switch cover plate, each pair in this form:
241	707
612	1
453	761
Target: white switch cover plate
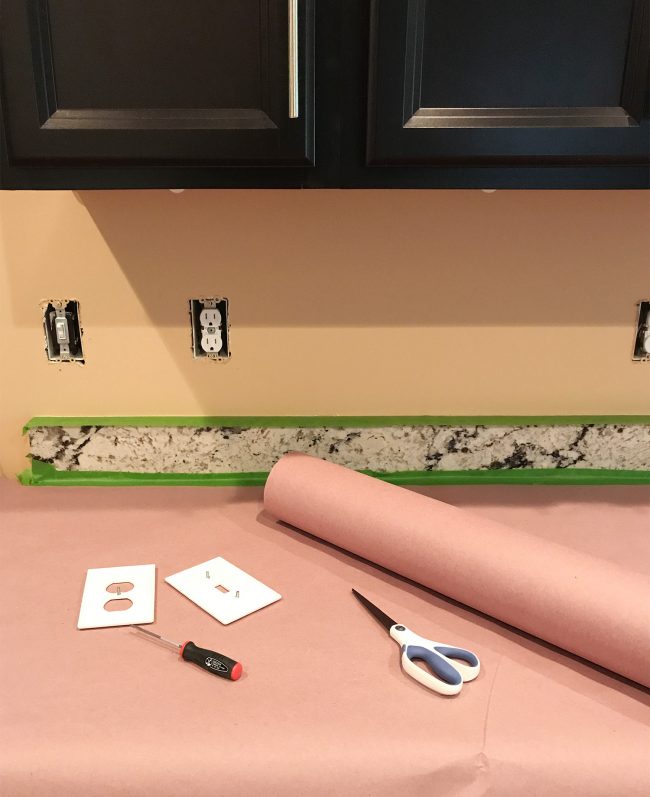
96	595
223	590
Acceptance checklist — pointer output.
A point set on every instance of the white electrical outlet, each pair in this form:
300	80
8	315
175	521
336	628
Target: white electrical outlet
210	339
210	317
210	320
210	328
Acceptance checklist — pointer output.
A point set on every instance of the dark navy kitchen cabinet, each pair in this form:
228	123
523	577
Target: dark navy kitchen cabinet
517	84
325	93
114	85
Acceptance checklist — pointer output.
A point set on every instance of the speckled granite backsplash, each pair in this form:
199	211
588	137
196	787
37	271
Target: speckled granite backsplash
393	448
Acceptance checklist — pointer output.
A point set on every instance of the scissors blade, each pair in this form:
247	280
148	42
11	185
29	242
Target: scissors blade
384	619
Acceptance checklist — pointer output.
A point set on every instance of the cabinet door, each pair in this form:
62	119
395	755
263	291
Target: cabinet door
158	82
508	83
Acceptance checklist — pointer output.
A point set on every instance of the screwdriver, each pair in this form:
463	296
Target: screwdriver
209	660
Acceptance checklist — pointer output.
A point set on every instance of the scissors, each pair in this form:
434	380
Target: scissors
450	666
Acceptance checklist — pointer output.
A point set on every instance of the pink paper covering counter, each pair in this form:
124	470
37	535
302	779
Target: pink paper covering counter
323	707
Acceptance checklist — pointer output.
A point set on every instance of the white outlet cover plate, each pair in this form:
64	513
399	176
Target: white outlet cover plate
244	594
95	596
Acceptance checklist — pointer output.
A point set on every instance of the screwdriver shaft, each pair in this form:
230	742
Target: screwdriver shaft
158	636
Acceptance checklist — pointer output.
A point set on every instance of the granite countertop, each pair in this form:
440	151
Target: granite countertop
323	708
405	447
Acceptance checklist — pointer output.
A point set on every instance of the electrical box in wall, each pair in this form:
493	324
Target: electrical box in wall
210	328
642	334
62	331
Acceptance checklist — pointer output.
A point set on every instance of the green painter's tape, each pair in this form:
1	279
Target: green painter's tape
548	476
340	421
43	474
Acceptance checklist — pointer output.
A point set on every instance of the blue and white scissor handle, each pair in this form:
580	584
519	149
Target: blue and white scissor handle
450	666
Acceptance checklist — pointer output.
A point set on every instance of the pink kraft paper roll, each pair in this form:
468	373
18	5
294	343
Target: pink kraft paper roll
580	603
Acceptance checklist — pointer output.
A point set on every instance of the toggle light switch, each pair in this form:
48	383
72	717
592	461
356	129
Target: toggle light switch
61	325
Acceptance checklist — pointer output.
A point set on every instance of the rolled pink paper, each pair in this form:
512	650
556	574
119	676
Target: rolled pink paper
580	603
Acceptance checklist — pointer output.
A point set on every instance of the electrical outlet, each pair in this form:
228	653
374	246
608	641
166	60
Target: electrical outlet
642	335
210	321
62	331
210	328
210	317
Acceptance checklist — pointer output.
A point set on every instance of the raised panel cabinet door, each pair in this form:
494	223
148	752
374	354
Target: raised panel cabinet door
158	82
508	83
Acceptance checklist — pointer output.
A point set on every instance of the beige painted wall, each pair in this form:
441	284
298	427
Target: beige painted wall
364	302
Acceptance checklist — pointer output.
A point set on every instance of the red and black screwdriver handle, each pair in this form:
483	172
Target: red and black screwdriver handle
210	660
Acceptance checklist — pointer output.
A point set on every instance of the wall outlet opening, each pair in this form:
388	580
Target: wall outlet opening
210	328
63	331
118	605
118	589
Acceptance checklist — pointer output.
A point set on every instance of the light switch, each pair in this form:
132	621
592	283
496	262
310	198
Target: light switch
61	326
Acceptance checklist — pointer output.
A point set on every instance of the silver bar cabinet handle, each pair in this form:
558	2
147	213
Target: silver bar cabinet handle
294	110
